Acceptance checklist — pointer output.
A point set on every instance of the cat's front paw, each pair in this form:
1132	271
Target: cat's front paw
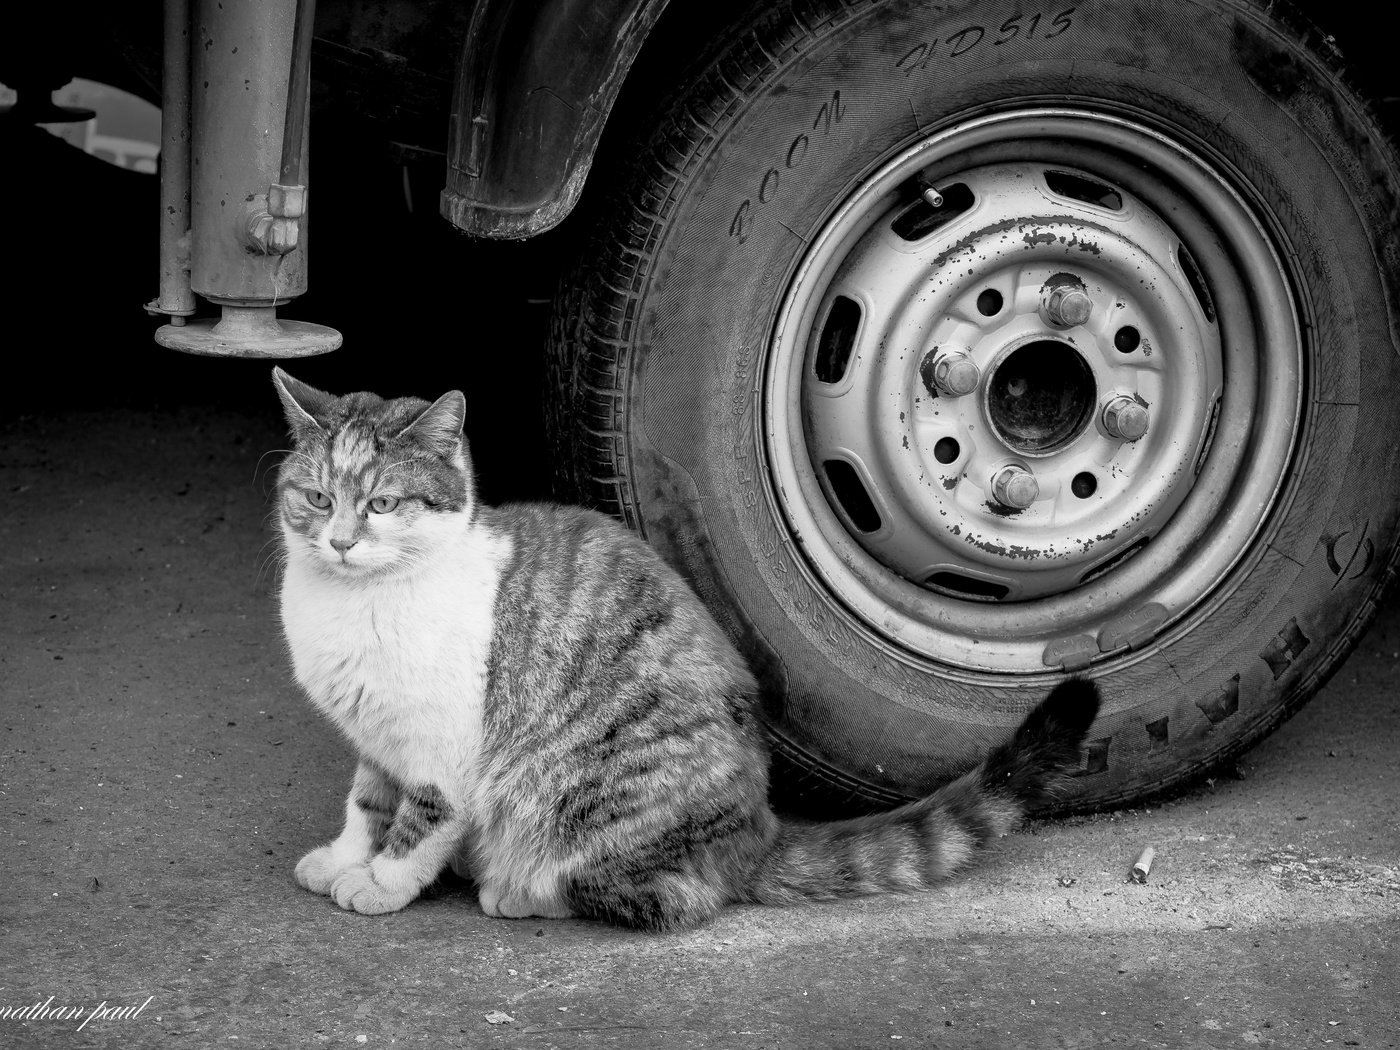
318	870
356	889
518	904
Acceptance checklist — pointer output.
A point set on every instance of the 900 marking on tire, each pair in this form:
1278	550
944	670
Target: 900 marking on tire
949	351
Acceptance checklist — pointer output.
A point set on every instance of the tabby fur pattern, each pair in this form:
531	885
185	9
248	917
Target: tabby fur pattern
540	702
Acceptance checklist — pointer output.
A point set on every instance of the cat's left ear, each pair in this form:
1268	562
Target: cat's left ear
439	427
300	402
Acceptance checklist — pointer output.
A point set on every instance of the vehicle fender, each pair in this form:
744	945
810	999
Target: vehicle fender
534	86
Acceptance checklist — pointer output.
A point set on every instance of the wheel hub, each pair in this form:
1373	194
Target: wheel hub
1001	327
1041	397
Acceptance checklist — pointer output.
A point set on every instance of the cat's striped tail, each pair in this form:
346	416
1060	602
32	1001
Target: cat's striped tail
915	846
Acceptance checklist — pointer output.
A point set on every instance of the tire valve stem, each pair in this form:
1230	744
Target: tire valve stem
932	197
1015	486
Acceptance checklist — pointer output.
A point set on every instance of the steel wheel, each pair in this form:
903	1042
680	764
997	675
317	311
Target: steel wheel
951	350
1083	333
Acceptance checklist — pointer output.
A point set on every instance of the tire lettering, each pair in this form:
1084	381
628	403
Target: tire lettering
1094	756
796	152
959	48
748	492
1361	548
830	113
799	150
1158	734
969	38
739	399
736	226
765	193
916	57
1283	649
1061	22
1222	703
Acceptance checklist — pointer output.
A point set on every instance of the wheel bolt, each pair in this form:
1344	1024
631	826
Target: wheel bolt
949	373
1067	306
1125	417
1015	487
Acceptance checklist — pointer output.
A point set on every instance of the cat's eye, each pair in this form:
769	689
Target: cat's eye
383	504
319	500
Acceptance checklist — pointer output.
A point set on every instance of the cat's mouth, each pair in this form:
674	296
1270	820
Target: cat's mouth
351	567
357	562
357	565
346	564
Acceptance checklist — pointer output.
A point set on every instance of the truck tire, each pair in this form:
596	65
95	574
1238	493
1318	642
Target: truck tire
949	350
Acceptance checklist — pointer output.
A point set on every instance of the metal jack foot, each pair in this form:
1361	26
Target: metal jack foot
249	331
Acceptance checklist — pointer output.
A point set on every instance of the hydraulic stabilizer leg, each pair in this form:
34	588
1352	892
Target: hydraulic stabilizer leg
233	178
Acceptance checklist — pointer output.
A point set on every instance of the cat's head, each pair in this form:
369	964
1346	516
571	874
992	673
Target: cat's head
371	486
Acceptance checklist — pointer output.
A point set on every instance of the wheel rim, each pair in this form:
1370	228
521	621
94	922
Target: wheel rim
1018	412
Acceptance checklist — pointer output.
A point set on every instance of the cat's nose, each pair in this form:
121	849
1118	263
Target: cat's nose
342	546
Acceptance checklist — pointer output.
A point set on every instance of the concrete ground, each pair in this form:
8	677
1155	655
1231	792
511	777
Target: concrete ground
161	776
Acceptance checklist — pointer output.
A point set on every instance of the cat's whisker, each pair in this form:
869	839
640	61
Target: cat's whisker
272	558
258	471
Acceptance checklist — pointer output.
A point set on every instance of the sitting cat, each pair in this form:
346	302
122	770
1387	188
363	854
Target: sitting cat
535	695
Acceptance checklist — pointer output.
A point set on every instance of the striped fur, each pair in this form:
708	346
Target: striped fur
540	702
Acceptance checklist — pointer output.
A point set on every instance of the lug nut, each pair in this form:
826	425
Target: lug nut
949	373
1067	306
1015	487
1125	417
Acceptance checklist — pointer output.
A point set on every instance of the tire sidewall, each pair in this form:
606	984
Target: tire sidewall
801	135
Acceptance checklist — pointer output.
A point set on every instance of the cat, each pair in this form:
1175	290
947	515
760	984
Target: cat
539	701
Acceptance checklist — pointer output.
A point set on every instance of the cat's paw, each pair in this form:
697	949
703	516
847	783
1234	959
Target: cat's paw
519	904
318	870
356	889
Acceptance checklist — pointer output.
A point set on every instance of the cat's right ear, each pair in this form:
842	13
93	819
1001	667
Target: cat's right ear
300	402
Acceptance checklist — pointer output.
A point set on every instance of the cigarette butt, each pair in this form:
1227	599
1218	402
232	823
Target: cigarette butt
1144	865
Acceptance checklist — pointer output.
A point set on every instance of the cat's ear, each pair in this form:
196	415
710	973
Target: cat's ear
439	426
300	402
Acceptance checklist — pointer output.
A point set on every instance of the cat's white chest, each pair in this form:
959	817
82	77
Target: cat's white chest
400	663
